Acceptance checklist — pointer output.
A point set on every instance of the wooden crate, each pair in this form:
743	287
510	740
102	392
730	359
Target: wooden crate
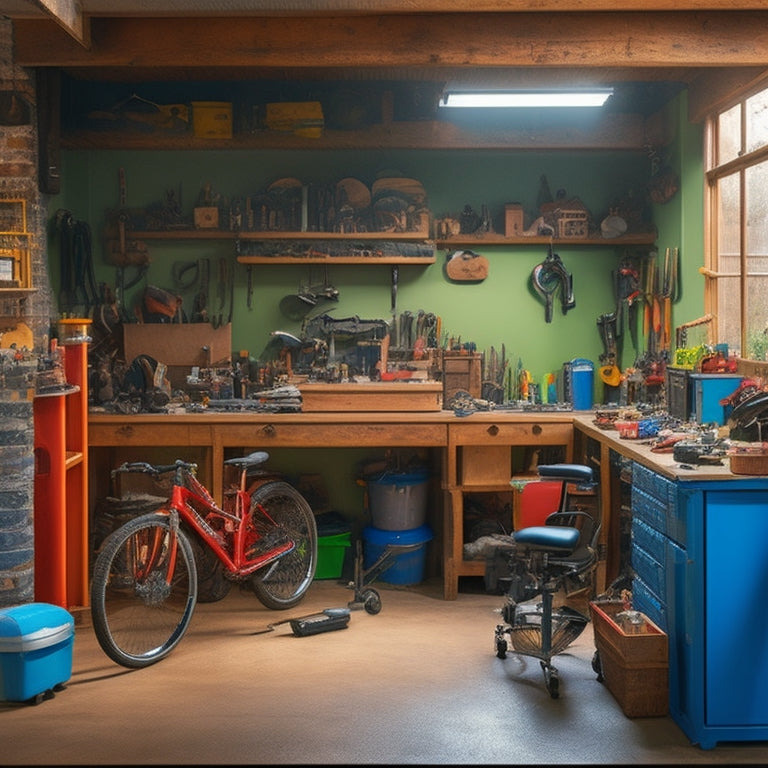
462	372
635	665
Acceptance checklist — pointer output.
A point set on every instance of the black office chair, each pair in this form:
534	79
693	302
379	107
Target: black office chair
560	555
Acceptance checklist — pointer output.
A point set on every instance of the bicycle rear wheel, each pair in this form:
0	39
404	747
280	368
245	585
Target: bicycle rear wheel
143	591
283	583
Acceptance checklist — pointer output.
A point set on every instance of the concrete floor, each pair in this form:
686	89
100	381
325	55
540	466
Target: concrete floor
417	683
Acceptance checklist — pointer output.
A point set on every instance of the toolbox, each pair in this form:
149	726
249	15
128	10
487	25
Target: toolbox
36	643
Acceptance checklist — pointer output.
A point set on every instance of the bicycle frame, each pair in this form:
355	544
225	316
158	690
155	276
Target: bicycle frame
230	534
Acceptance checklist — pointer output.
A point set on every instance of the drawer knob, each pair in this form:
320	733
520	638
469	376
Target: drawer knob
268	430
536	429
493	430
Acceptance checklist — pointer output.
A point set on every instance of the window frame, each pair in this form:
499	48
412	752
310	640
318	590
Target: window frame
713	173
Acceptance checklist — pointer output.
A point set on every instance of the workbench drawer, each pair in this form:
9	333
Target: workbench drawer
148	434
501	433
485	464
334	435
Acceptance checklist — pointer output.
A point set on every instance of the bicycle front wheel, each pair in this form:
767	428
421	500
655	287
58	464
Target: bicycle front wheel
283	583
143	591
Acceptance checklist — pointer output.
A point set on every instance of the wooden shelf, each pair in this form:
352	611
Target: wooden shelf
613	132
217	234
414	260
645	238
221	234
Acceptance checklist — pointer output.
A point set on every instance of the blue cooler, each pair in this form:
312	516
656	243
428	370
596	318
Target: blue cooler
35	650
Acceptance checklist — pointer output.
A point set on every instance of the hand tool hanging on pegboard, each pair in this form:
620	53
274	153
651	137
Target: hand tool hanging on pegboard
547	278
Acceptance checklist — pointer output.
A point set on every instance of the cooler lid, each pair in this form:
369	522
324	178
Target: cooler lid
31	627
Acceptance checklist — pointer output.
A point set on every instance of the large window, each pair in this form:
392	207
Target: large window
737	197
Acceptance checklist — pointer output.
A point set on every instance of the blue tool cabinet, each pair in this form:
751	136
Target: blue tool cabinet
700	560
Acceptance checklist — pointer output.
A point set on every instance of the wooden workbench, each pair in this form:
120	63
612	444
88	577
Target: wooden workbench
481	442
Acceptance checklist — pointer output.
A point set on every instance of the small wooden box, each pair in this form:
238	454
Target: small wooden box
635	666
374	396
513	220
462	372
573	225
207	217
485	464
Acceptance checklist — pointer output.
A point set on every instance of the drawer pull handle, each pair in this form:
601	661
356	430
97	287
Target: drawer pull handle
268	430
493	430
536	429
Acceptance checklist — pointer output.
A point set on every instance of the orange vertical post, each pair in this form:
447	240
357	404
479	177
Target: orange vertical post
74	338
61	477
50	500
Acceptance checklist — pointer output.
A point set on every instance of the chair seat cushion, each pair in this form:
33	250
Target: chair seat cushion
556	538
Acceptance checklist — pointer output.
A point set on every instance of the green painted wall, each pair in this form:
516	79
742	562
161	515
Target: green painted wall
503	309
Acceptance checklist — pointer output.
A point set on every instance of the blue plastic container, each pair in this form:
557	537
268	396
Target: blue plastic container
407	567
36	642
708	390
582	373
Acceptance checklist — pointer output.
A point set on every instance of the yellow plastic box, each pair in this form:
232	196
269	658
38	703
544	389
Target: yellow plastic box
212	119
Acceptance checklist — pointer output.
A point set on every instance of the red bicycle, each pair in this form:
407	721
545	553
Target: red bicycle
150	573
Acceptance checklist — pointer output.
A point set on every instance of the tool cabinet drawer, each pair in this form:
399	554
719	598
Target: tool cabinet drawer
654	501
500	433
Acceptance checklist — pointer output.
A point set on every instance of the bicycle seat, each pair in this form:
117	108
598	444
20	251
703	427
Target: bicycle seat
251	460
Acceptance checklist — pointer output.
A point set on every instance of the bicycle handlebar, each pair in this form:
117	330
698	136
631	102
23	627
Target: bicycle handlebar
152	469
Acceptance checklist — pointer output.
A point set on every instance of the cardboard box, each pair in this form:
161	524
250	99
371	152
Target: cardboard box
635	665
304	118
212	119
513	220
36	642
207	217
178	345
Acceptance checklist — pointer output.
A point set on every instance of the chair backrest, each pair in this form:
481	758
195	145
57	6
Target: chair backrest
537	500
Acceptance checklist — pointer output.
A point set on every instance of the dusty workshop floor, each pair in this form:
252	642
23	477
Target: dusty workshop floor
417	683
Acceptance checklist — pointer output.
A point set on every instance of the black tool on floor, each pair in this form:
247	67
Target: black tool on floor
326	620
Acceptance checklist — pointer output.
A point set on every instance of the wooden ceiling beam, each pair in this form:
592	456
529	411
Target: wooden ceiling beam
641	40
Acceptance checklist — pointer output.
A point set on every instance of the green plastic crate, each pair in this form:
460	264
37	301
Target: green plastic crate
330	555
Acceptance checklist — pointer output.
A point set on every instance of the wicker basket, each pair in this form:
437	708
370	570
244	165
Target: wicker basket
749	463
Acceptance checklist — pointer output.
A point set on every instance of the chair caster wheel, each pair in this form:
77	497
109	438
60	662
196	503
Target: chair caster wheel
552	680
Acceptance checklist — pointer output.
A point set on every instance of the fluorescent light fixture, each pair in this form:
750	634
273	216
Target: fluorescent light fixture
595	97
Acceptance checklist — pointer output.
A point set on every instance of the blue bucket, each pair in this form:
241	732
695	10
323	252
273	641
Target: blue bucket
407	567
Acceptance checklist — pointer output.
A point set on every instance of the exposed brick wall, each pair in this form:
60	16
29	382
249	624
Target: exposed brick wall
18	179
